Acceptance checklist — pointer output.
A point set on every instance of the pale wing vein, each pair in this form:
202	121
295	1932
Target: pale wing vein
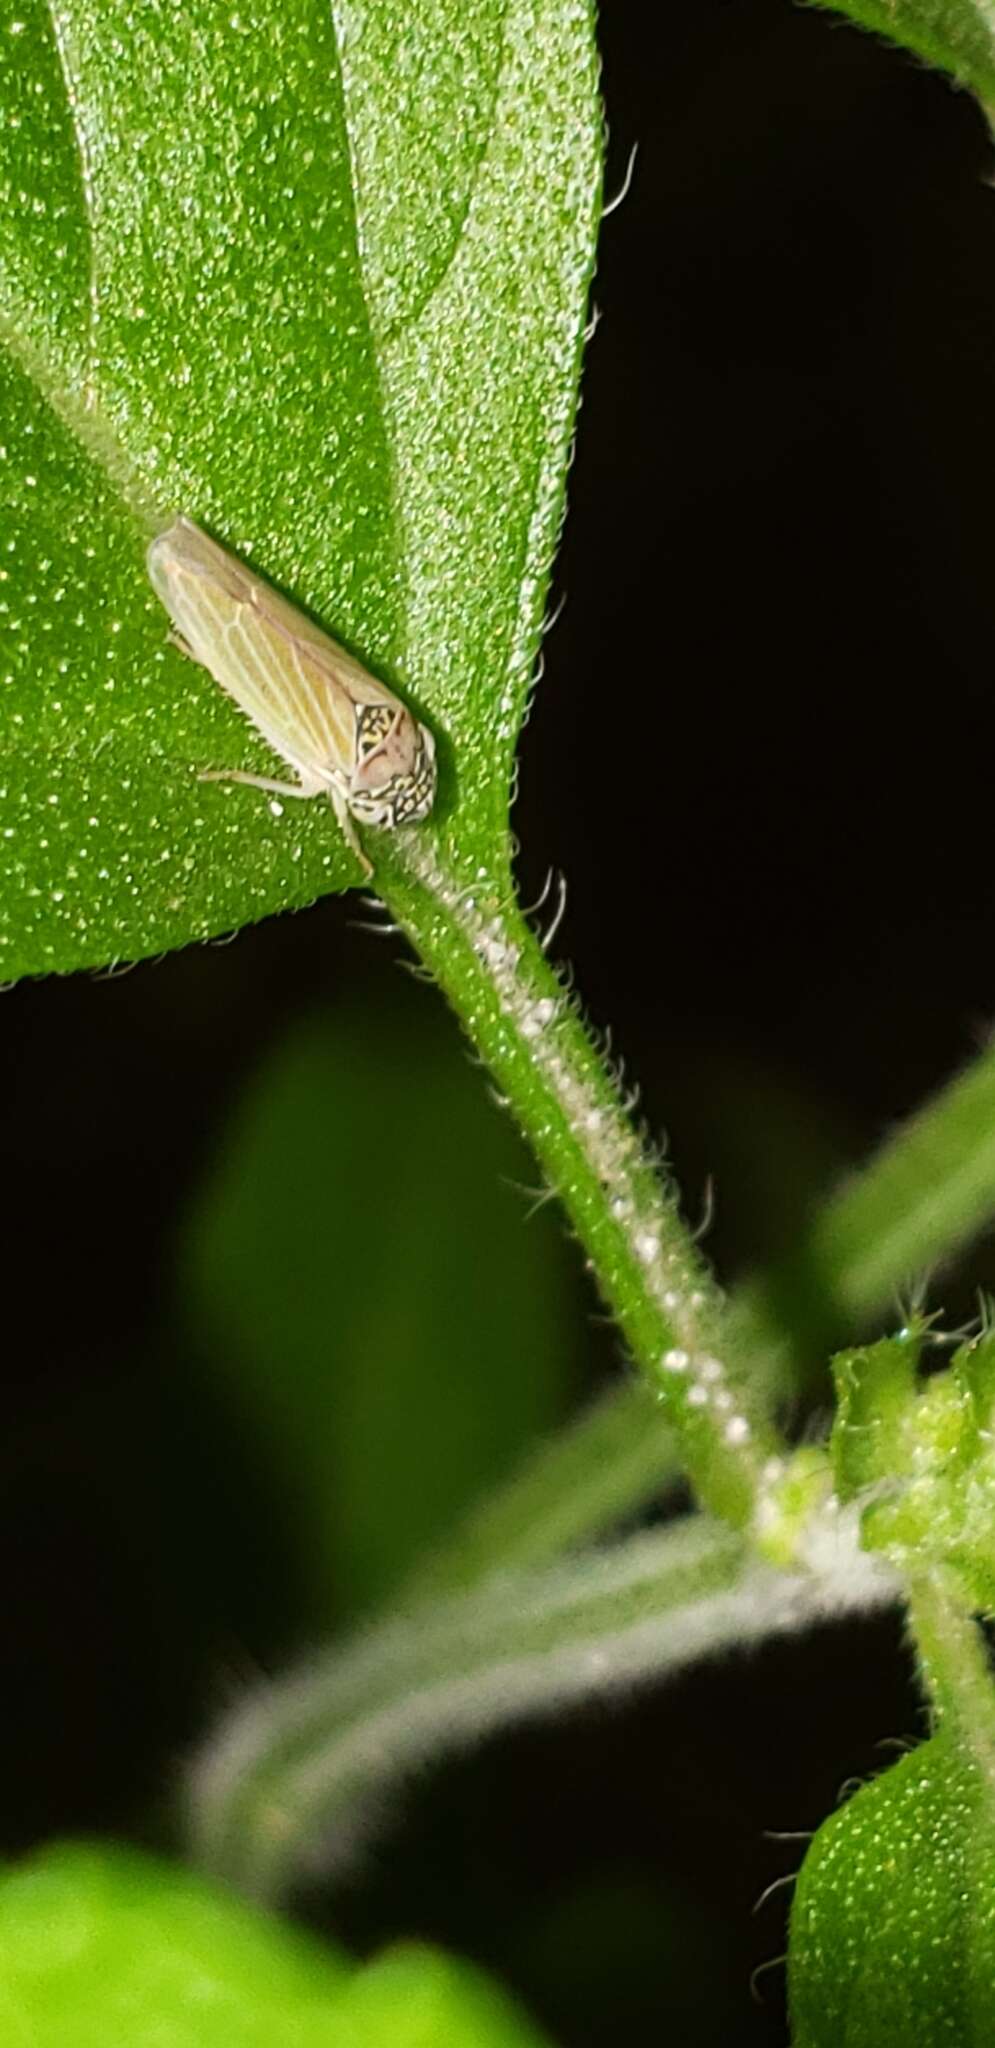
255	671
330	743
253	687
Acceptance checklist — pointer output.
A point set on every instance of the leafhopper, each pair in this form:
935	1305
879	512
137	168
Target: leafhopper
345	735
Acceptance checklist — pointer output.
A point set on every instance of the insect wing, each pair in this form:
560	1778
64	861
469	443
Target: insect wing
298	688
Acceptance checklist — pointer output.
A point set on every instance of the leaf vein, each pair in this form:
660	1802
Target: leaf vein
61	37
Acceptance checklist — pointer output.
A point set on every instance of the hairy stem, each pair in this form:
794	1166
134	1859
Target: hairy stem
929	1188
292	1774
568	1102
954	1669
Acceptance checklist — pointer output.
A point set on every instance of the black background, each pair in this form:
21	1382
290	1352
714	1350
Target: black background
777	569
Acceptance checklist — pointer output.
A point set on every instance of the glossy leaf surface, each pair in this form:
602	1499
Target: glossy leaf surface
316	277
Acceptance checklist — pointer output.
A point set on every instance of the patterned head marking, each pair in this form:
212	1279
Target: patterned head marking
395	775
415	793
374	723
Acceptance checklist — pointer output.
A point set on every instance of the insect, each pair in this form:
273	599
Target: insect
345	735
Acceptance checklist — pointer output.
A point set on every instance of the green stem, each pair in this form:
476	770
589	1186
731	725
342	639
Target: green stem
563	1094
954	1668
928	1190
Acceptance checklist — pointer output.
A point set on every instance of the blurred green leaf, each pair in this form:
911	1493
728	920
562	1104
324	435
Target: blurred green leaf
106	1948
893	1928
416	1997
374	1293
317	277
101	1945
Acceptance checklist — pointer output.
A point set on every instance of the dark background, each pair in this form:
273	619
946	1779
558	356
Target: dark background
777	562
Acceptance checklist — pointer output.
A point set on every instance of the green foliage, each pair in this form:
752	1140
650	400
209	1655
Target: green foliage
875	1387
373	1294
893	1926
416	1997
921	1460
792	1503
957	36
931	1186
317	278
102	1945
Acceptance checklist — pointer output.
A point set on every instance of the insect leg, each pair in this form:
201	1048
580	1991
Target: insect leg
304	788
343	818
301	788
174	638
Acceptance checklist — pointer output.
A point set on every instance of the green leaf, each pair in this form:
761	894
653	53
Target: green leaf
919	1459
102	1946
956	35
317	278
415	1997
875	1393
892	1939
374	1293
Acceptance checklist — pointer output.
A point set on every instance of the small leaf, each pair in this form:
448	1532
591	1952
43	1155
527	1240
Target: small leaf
316	277
875	1392
892	1939
920	1459
374	1293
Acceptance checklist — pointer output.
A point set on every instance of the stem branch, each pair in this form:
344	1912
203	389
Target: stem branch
297	1766
929	1189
